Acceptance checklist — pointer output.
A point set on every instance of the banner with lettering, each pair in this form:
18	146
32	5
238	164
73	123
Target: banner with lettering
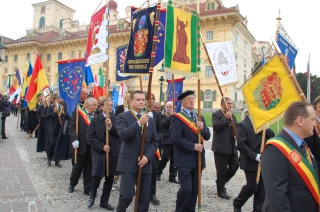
140	43
287	49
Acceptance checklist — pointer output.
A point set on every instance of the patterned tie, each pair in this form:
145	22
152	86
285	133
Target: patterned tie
304	149
139	115
192	115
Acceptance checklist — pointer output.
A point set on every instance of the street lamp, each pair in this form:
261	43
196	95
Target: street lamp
2	50
161	81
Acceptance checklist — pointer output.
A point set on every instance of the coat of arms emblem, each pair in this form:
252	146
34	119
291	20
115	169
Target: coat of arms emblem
141	37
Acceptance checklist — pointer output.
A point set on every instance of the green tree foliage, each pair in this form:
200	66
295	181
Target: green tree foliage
315	84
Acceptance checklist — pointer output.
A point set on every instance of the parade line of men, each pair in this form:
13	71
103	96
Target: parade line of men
289	179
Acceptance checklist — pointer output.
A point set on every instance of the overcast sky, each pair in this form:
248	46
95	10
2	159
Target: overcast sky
16	16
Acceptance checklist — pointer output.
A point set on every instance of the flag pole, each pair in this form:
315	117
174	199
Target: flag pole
77	132
107	97
277	30
199	110
153	54
216	78
261	148
173	96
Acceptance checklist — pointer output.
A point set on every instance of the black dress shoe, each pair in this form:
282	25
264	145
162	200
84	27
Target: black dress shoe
106	206
224	195
154	200
236	209
87	192
158	177
4	137
174	180
57	164
70	189
90	202
49	162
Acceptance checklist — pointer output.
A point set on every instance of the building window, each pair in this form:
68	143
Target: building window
4	85
208	95
235	96
245	48
15	58
168	75
61	24
210	6
244	78
237	39
43	9
60	56
245	63
72	54
236	56
209	35
48	69
6	58
262	49
208	71
121	26
5	70
48	57
28	56
145	77
42	22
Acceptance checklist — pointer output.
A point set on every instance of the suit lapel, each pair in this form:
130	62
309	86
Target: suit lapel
102	123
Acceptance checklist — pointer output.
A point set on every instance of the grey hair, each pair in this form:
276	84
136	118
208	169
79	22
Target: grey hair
90	101
225	99
155	103
244	114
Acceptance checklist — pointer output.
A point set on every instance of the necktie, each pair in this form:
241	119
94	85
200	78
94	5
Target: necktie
90	114
303	149
139	115
192	115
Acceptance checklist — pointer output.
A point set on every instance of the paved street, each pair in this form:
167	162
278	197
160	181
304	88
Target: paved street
27	184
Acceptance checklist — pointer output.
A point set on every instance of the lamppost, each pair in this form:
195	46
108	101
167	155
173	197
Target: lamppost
161	81
2	50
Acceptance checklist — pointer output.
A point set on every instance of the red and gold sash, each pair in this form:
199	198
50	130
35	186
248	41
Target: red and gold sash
85	116
185	119
301	165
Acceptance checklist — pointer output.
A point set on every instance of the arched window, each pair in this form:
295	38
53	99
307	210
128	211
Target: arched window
42	22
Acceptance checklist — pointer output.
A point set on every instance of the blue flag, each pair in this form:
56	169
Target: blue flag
178	88
121	58
71	74
161	36
287	49
115	97
88	76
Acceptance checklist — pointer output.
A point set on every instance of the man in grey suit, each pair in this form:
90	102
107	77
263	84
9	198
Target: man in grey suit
129	126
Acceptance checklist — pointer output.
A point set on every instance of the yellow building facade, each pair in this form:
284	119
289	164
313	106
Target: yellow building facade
56	36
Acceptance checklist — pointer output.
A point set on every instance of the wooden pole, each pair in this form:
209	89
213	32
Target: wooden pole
173	95
141	88
147	103
33	132
18	118
107	99
77	133
277	31
261	148
216	78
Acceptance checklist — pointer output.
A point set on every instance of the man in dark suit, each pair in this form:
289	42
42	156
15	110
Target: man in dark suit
125	106
249	144
167	145
78	137
184	135
289	171
130	126
97	140
224	146
53	129
83	97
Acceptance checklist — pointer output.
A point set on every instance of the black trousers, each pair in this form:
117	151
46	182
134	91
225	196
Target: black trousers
3	127
188	192
155	163
127	192
226	167
53	137
84	162
251	188
166	155
107	186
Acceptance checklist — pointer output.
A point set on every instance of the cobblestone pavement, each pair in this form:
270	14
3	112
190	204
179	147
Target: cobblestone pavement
27	184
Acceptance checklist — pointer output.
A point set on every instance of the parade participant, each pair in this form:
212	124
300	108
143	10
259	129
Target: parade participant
289	171
184	135
248	144
97	139
125	106
79	141
129	126
41	144
83	96
155	161
53	130
5	105
157	107
224	146
166	144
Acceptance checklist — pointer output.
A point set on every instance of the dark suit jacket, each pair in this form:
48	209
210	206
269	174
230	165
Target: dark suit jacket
96	135
54	125
314	144
157	121
39	111
165	122
184	140
130	136
119	109
223	137
249	144
285	189
82	133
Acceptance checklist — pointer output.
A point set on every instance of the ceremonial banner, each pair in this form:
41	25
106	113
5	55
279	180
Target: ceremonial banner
287	49
88	76
161	38
122	93
71	73
15	88
26	82
121	59
222	58
269	93
178	88
96	44
181	55
141	40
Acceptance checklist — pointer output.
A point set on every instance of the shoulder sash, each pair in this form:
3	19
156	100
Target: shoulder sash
189	123
301	165
85	117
